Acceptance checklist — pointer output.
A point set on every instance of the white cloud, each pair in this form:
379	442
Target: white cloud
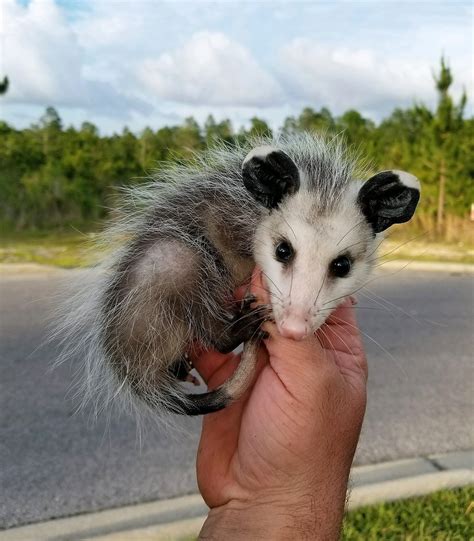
210	69
373	80
140	62
46	64
358	78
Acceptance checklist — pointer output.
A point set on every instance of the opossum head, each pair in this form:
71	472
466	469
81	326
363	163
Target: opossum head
317	243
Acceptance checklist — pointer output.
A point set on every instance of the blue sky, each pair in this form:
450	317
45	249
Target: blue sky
149	62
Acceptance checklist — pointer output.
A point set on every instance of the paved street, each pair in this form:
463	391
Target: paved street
54	463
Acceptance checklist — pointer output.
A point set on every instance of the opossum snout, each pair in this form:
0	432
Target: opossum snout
294	326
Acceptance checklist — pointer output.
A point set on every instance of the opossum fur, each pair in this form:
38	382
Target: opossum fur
191	235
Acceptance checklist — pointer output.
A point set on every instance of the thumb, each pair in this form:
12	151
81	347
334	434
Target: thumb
297	363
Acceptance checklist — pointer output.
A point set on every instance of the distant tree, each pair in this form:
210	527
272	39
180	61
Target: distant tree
218	131
357	129
448	122
89	129
187	139
51	176
311	120
290	125
51	119
146	147
259	127
4	85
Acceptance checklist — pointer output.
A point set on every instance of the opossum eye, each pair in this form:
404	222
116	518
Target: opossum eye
341	266
284	251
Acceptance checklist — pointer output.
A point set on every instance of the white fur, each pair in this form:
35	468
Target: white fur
322	221
408	180
305	291
260	152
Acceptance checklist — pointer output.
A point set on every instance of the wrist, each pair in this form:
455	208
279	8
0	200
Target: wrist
314	515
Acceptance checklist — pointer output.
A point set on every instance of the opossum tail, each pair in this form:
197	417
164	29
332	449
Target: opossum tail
222	396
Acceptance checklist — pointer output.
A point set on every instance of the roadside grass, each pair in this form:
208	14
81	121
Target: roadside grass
60	249
74	249
447	515
415	249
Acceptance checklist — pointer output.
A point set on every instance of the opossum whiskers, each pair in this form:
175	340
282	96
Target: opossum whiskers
289	226
272	281
368	256
291	284
320	289
331	344
355	244
338	322
350	231
368	282
261	311
382	348
372	296
416	237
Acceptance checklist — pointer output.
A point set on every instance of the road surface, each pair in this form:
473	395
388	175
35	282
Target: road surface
55	463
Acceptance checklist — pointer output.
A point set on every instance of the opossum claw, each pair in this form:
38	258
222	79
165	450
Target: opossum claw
248	300
243	326
181	368
192	379
262	335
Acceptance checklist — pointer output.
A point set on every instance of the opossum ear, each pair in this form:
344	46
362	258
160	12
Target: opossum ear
269	174
388	198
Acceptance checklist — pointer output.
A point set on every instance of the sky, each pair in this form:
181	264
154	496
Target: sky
153	63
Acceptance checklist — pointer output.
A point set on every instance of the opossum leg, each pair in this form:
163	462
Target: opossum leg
243	326
181	369
232	389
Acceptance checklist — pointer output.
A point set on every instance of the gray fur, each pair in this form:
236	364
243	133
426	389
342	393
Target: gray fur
183	243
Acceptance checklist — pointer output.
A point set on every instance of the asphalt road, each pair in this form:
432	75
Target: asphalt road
56	463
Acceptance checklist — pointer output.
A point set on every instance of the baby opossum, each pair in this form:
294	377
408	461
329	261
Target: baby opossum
290	205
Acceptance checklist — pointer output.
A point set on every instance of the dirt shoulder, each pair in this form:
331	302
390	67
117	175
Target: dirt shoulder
77	250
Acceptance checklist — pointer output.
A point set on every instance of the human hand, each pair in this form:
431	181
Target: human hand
275	464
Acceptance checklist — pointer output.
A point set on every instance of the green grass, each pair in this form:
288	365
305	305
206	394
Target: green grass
59	249
414	249
74	249
447	515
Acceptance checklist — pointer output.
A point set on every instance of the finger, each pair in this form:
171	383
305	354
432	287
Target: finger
340	331
295	356
221	430
209	362
341	334
344	315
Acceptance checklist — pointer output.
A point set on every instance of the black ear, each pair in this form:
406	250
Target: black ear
269	174
388	198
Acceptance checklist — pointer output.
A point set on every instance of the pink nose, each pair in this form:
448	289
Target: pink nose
294	328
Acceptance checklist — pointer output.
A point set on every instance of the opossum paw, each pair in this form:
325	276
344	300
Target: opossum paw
244	325
192	379
180	369
247	301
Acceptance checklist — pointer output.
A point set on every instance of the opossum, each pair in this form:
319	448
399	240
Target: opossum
290	205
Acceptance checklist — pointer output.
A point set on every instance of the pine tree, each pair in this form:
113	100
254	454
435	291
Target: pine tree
4	85
448	121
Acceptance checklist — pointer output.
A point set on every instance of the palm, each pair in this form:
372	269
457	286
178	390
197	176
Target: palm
251	444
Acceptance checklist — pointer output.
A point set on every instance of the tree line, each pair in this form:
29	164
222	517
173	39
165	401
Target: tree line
53	176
